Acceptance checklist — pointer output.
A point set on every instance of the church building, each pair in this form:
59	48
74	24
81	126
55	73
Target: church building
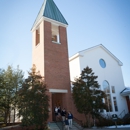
108	69
50	55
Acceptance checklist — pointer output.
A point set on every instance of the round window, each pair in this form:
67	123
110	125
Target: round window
102	63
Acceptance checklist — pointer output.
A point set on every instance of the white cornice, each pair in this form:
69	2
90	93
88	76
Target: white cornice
101	46
75	56
58	90
119	62
55	22
49	20
37	24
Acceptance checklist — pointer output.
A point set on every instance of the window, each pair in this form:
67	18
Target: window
115	104
106	88
102	63
113	89
55	33
37	36
54	38
108	102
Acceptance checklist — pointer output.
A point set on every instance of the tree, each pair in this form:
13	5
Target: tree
87	95
10	80
34	102
17	84
1	96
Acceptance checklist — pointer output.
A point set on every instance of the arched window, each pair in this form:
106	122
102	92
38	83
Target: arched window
106	88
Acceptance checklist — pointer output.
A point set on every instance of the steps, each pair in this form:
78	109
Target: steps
126	116
60	126
74	128
53	126
77	126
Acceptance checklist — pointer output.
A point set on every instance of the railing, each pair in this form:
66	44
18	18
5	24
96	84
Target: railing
79	122
60	123
122	114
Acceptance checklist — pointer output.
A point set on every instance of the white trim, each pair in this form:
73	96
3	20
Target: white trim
55	22
89	49
38	21
119	62
56	42
37	24
58	90
75	56
39	17
44	5
125	93
49	20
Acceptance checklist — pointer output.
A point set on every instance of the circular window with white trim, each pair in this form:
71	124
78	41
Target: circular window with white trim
102	63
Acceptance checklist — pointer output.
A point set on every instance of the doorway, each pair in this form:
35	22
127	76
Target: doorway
57	100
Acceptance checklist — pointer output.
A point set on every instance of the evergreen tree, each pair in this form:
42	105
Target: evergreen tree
10	80
87	95
34	102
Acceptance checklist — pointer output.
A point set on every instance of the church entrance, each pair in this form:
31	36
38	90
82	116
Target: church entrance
128	102
57	100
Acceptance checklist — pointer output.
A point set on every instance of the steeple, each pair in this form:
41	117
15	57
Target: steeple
50	54
51	11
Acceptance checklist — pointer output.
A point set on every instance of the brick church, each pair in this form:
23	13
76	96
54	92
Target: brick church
50	54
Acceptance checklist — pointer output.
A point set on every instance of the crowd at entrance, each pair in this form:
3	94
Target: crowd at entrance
66	117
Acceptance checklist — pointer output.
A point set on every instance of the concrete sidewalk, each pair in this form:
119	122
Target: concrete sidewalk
108	128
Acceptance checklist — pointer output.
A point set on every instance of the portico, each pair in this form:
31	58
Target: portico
126	94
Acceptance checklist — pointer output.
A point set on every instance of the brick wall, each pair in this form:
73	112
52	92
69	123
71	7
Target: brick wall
56	63
56	59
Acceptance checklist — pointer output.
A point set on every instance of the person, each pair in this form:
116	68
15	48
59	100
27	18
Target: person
63	113
59	111
66	124
70	118
56	112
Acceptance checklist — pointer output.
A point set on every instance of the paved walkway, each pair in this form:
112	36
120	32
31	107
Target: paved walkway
124	128
94	129
109	129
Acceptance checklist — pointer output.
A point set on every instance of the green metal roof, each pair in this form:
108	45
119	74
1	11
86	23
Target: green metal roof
50	10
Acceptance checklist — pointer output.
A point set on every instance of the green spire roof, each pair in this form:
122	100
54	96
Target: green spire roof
50	10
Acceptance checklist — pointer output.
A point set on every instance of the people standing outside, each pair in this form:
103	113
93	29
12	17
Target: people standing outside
56	112
59	111
63	113
70	118
66	124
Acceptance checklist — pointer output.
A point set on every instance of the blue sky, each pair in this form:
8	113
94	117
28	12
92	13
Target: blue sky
91	22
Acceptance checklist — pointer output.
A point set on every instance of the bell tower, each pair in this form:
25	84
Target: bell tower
50	54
